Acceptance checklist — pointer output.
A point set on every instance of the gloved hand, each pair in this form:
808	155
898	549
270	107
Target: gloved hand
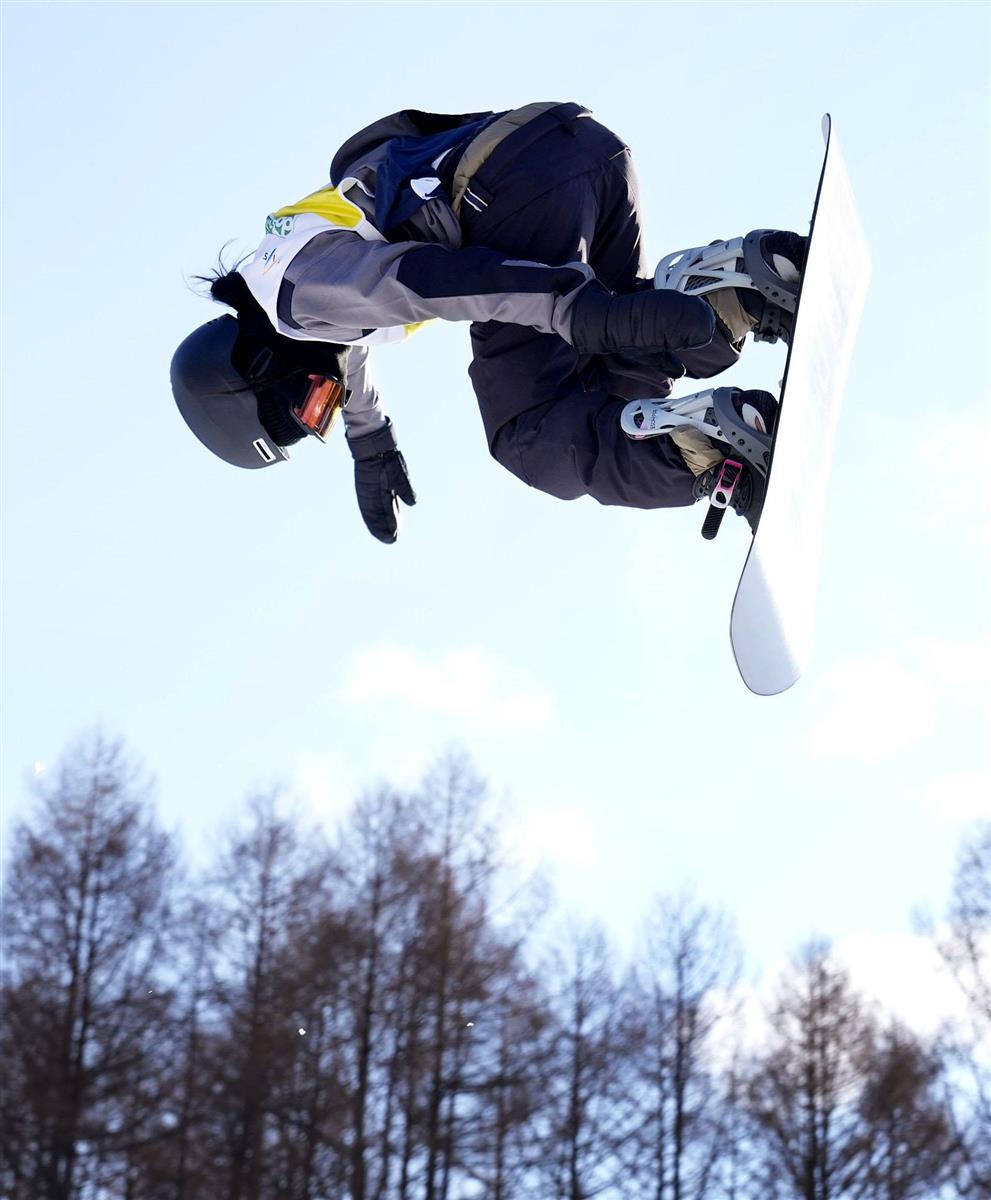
604	323
380	481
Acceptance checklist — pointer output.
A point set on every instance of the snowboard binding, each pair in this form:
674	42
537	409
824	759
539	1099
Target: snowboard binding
764	268
742	420
721	495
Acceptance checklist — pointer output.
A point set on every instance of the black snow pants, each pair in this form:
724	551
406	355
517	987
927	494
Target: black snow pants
560	189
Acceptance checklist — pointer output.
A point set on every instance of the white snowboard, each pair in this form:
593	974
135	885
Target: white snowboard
773	618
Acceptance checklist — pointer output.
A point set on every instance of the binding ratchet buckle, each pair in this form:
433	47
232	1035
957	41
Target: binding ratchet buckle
721	496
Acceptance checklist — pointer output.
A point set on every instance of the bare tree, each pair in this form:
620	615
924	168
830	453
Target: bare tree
86	1006
910	1148
591	1093
190	1169
451	921
805	1088
514	1053
685	977
267	891
965	947
438	986
379	882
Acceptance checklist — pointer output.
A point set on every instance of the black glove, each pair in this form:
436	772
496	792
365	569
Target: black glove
380	481
603	323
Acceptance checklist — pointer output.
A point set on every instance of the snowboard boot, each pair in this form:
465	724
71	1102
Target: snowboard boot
784	255
755	413
751	283
756	410
747	498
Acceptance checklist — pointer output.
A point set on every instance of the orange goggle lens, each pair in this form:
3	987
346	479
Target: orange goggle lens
323	402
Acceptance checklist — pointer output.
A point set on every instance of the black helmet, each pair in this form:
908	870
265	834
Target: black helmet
215	400
237	382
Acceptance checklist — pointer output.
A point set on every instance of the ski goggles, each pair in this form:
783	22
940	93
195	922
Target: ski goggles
318	410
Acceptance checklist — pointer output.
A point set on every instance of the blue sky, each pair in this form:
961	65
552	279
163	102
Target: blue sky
237	628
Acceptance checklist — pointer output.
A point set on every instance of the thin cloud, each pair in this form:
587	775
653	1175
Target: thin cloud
324	782
871	707
881	703
905	974
560	835
962	665
901	974
469	686
959	797
951	498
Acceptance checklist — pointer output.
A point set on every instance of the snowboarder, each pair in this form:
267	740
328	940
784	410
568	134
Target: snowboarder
527	224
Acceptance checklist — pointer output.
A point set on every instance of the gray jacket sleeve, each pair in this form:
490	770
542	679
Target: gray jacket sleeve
340	287
363	411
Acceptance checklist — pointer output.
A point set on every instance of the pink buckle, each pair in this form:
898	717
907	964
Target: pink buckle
729	477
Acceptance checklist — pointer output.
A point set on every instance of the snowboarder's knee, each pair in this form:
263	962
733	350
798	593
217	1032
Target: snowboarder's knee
540	462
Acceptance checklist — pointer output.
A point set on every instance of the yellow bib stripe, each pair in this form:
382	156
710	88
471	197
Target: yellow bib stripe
329	204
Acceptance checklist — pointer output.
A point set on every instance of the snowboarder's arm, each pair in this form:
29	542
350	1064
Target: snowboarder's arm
343	285
342	288
363	412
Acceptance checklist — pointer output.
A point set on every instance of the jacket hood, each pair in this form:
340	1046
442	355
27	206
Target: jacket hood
409	122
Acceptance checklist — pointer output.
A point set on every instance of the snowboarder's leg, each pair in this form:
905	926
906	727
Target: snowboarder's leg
720	354
560	191
571	444
570	194
574	446
725	437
